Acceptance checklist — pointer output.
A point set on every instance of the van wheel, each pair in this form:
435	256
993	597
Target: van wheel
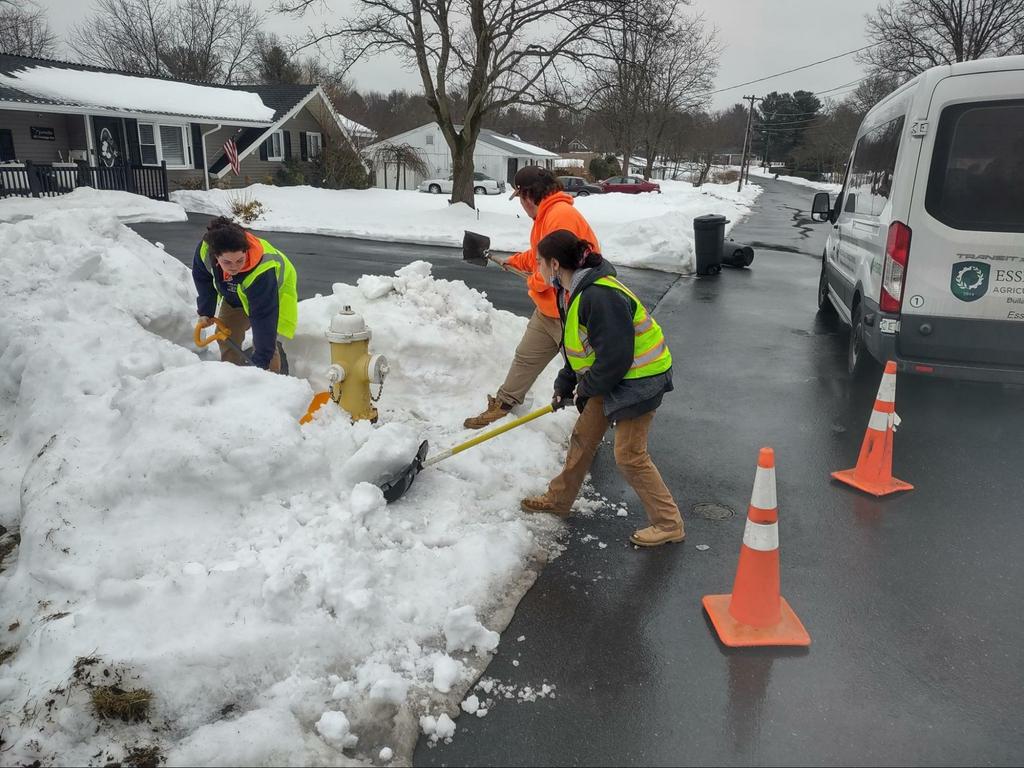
435	189
479	191
859	362
825	306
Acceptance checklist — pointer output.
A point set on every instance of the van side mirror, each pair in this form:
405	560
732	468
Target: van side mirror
821	208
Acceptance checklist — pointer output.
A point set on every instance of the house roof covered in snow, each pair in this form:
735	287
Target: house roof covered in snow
510	145
60	86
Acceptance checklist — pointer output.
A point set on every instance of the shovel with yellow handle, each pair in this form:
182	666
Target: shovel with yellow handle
396	485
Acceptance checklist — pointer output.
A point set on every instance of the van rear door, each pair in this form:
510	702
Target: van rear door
963	301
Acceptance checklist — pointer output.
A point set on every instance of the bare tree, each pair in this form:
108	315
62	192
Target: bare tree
682	72
24	31
495	53
404	157
125	34
913	35
205	40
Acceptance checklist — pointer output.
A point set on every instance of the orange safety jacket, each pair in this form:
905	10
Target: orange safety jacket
555	212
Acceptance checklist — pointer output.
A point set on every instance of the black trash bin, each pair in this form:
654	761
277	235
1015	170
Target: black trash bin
708	242
737	255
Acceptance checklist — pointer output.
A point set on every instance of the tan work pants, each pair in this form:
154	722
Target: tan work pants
238	323
631	456
536	349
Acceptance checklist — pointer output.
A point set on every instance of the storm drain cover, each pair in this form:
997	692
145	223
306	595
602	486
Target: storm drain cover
711	511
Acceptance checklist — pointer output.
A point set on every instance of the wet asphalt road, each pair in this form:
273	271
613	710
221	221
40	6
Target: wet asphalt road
913	603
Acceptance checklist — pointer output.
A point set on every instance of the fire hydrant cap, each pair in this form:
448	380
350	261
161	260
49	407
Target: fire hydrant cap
347	326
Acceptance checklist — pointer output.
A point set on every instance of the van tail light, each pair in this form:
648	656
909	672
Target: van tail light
894	271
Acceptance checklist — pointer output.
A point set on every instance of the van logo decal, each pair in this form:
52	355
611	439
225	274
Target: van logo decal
970	280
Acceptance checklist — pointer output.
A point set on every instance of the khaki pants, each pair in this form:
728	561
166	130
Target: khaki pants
238	323
631	456
537	348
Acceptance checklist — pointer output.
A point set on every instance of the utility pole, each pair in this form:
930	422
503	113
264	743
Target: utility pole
747	144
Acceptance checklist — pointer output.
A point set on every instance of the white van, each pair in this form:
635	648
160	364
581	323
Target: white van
925	260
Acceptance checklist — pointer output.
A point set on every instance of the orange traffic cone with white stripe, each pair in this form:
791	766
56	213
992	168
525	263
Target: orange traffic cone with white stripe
755	613
873	473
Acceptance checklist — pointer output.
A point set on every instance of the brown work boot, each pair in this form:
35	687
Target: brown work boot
543	503
495	410
655	537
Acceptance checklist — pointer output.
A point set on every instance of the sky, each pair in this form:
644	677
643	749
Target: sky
760	37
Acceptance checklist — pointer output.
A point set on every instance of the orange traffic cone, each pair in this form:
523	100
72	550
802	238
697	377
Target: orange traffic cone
873	472
755	613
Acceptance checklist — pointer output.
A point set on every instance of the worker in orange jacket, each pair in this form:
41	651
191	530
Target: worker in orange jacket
551	209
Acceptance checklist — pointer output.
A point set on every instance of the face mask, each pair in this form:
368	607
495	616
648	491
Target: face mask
555	282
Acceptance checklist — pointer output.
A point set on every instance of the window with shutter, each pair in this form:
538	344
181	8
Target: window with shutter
147	144
314	142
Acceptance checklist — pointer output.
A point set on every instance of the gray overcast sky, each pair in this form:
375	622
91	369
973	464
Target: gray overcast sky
760	36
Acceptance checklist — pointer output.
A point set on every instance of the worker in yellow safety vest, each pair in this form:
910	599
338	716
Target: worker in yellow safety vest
256	286
617	369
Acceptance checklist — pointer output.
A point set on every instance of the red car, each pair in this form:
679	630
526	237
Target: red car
631	185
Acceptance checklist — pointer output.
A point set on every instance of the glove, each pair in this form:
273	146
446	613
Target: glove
558	402
581	403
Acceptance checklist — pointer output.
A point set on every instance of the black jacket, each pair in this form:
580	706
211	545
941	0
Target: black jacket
608	315
263	303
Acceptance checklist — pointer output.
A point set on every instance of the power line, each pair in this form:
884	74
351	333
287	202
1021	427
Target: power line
789	71
844	85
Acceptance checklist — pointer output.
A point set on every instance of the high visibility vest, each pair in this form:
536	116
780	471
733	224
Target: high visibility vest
651	355
287	284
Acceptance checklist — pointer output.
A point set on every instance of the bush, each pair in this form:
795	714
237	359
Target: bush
725	177
332	169
247	209
196	182
292	173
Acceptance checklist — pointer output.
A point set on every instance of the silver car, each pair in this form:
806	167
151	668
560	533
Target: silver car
482	185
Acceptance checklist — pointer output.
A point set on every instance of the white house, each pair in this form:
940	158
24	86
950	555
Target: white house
496	155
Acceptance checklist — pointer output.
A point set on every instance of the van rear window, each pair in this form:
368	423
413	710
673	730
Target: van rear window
977	174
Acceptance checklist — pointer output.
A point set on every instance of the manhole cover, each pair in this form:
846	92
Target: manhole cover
710	511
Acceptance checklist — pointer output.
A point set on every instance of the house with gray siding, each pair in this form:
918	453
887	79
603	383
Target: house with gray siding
100	127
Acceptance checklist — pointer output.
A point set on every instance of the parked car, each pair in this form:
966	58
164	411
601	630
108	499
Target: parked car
482	185
925	258
577	186
631	185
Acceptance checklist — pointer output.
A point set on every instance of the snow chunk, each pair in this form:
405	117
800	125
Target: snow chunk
441	728
463	632
446	672
471	705
335	729
385	755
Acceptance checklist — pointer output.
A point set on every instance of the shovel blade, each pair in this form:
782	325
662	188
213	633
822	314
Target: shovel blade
395	486
474	246
314	405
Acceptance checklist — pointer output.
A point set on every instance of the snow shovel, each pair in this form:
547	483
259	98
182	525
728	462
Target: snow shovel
397	484
476	249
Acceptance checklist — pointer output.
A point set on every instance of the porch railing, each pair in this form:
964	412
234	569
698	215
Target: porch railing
49	180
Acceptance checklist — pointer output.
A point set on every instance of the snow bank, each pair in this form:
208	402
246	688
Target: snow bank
182	534
821	186
648	230
127	207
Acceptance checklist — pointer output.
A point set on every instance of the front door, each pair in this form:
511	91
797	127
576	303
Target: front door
6	145
513	166
111	152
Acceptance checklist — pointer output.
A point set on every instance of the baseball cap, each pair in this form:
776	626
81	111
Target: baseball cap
525	177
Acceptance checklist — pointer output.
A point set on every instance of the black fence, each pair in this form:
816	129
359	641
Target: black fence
40	180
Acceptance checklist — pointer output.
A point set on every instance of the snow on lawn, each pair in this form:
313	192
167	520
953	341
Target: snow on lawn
182	535
129	208
821	186
647	230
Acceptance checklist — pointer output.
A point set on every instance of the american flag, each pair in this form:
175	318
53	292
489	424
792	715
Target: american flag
231	150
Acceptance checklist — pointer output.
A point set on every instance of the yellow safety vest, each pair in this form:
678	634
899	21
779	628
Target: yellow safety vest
287	284
651	355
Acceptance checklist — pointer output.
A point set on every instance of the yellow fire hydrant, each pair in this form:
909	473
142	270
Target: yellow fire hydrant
353	369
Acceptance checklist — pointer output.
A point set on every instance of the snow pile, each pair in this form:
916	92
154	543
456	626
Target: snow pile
182	533
646	230
137	93
127	207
